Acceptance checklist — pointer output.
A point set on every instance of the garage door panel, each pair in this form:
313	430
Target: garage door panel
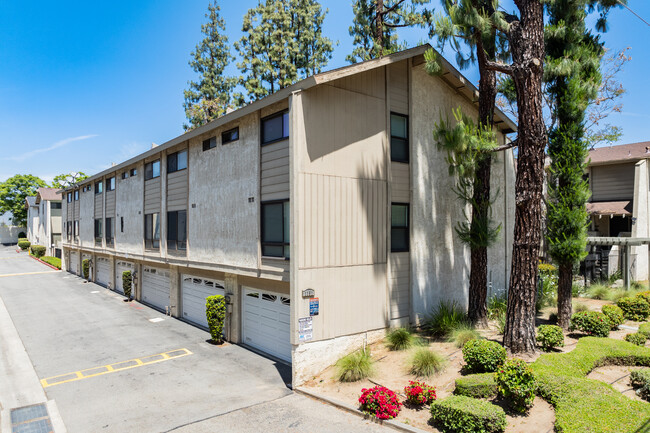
74	260
195	290
103	271
121	267
266	322
155	287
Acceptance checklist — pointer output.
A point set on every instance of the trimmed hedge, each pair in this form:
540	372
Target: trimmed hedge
85	268
582	404
550	337
483	356
614	315
644	329
644	295
458	413
38	251
54	261
591	322
215	311
127	280
636	338
480	385
636	309
23	245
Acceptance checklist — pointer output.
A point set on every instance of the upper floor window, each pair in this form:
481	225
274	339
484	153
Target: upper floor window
275	127
399	227
76	195
110	183
177	161
68	227
399	139
151	170
177	230
99	187
209	143
133	172
152	230
56	205
69	197
275	229
98	231
110	229
125	175
76	230
230	135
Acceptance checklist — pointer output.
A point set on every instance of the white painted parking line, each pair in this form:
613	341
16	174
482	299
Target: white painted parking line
156	320
95	291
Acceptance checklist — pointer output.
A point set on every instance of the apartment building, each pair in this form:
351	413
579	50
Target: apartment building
324	212
619	182
44	220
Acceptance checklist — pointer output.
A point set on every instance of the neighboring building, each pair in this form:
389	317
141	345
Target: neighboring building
9	233
325	211
619	183
44	220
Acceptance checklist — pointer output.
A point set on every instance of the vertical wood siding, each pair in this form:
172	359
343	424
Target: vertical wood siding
399	269
76	205
152	195
400	182
110	203
177	190
275	171
99	204
398	87
612	182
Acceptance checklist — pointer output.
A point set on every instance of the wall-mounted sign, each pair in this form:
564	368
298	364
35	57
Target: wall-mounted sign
313	307
305	329
308	293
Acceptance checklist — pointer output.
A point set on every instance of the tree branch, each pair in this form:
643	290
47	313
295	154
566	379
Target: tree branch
499	67
510	145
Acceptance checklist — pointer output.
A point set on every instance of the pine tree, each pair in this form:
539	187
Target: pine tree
573	73
210	96
283	41
375	22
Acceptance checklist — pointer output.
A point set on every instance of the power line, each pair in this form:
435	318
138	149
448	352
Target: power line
635	14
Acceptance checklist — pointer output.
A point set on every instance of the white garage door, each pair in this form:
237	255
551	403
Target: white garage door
74	263
103	271
266	322
195	290
121	267
155	287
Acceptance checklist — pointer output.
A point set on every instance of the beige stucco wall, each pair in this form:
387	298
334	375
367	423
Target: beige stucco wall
86	218
641	223
128	205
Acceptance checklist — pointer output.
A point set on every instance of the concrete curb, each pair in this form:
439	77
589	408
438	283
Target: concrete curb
395	425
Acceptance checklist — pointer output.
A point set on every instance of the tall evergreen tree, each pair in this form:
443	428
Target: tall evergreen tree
283	41
573	73
374	25
210	96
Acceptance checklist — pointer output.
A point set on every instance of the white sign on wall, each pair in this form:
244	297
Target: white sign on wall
305	329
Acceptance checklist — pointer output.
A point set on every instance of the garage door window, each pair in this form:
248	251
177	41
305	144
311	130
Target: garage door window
275	229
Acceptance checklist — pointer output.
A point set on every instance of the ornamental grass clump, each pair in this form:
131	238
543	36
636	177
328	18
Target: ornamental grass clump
447	317
614	315
550	337
591	322
599	291
379	402
355	366
635	309
636	338
400	339
419	393
426	363
461	335
516	384
483	356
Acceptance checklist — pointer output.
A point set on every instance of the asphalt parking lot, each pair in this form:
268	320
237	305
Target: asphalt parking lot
115	366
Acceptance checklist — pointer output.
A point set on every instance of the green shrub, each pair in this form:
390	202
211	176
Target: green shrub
636	285
636	309
481	385
501	323
614	315
426	363
644	295
547	293
550	337
461	335
85	268
22	235
400	339
127	280
458	413
577	290
355	366
215	312
516	383
446	317
23	245
37	251
636	338
640	378
54	261
552	318
497	305
591	322
483	356
599	291
22	239
618	294
644	329
584	405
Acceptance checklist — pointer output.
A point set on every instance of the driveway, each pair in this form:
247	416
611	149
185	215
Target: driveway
114	366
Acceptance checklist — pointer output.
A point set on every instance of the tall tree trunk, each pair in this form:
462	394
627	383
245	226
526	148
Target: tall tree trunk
526	38
564	286
379	29
477	310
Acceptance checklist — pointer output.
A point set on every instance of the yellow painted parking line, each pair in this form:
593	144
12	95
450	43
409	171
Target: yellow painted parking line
113	368
28	273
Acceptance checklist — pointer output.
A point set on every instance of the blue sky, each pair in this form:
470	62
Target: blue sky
84	84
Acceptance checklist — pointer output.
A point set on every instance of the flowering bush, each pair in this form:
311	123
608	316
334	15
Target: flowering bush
380	402
614	315
516	383
591	322
636	309
419	392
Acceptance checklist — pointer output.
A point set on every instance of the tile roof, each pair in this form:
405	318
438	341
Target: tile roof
50	194
610	208
622	152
